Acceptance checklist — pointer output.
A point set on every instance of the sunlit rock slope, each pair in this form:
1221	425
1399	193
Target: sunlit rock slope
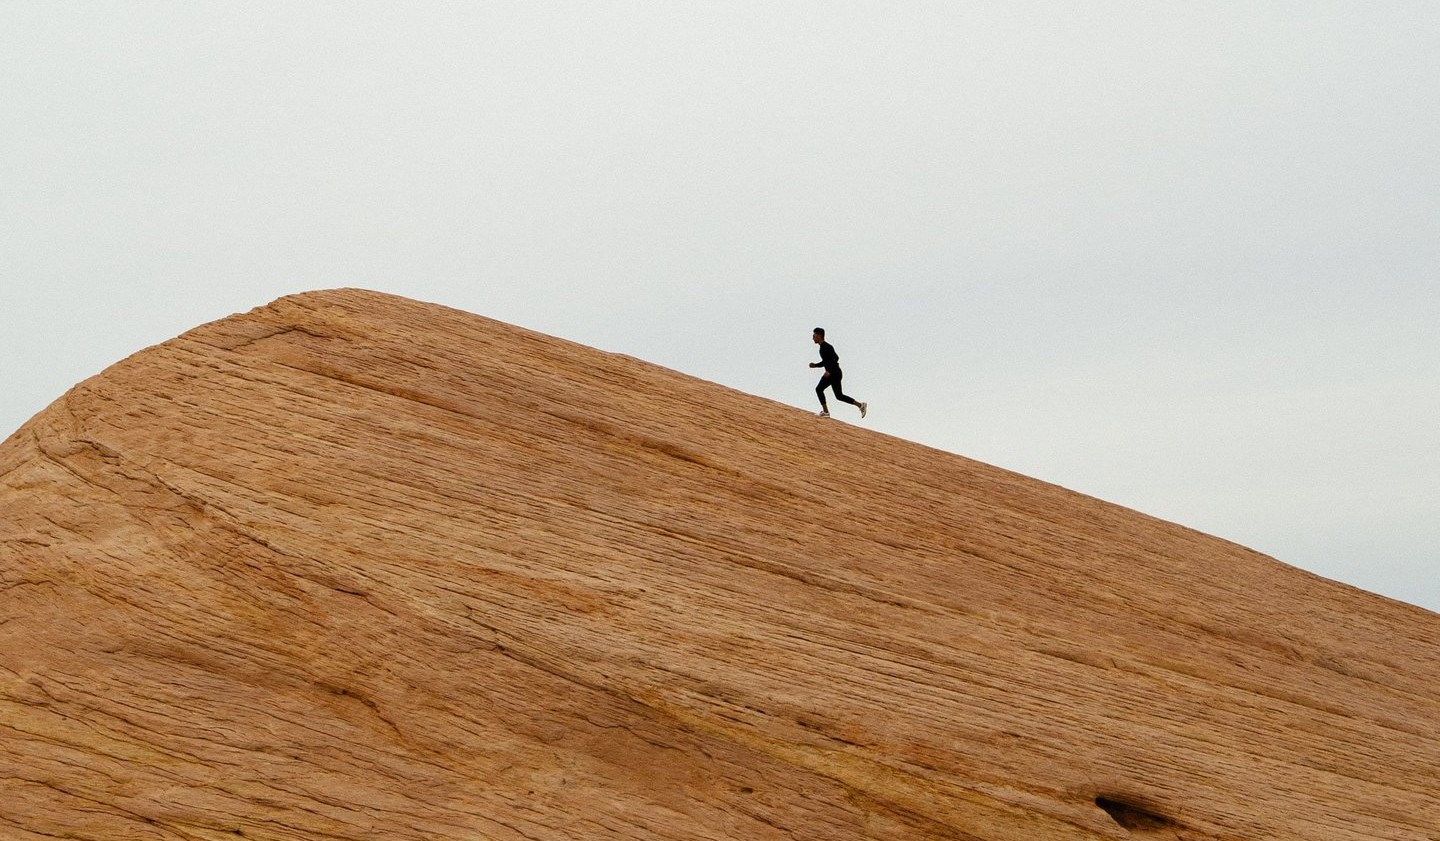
355	567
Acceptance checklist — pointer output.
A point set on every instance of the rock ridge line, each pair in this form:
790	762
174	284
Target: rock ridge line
351	566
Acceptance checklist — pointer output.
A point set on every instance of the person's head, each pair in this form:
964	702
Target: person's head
819	335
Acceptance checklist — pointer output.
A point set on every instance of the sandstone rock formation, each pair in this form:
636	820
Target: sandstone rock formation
355	567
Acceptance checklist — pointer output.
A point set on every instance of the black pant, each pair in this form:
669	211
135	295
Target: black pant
831	380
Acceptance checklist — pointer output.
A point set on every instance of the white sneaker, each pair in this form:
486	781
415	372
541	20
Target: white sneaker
824	413
863	408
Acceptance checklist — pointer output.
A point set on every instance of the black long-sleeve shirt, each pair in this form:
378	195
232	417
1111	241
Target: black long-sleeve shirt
829	359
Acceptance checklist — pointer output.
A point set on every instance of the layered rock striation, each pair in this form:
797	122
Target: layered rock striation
354	567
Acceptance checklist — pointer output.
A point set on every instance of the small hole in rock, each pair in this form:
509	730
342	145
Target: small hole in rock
1130	816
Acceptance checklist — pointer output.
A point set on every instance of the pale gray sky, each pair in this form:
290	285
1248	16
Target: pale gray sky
1180	256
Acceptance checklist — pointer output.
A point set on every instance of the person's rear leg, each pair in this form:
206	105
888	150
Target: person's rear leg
841	396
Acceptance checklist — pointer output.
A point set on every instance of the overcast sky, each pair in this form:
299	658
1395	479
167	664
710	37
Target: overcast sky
1180	256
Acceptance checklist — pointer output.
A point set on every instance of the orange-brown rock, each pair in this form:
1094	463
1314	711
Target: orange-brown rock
355	567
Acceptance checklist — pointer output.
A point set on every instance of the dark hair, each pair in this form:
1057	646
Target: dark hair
820	331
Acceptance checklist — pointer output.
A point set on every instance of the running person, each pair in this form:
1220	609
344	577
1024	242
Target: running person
830	361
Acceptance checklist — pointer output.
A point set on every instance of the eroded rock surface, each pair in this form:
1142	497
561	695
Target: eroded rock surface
355	567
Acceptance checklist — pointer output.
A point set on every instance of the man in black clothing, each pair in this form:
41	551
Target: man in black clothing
830	361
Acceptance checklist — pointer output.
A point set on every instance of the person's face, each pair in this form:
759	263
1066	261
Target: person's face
817	338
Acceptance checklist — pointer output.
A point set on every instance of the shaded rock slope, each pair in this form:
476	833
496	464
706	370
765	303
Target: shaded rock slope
355	567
